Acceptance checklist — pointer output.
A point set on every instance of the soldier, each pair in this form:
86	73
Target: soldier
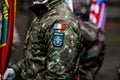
93	41
81	9
93	51
52	44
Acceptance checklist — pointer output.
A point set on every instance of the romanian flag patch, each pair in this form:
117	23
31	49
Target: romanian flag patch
60	26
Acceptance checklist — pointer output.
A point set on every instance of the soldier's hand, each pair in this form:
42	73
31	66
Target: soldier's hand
9	74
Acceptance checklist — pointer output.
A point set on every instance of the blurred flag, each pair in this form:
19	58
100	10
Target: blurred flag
8	19
5	10
98	13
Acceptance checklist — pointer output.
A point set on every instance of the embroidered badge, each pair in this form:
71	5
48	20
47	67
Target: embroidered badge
58	39
60	26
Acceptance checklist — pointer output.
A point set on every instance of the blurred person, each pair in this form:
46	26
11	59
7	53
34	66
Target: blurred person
52	44
81	9
93	52
93	41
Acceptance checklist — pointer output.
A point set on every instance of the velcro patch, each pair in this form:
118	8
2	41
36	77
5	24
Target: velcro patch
60	26
58	39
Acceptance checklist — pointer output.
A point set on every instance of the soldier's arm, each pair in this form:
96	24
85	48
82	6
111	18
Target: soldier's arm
94	49
56	57
62	50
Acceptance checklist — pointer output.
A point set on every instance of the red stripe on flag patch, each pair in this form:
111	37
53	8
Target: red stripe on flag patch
63	26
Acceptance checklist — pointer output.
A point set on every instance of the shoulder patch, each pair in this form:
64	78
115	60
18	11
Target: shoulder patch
58	39
59	26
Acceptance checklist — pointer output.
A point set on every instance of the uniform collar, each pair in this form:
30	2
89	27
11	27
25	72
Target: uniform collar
52	3
41	8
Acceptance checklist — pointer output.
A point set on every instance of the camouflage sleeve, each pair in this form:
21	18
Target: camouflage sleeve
94	49
62	50
50	53
22	67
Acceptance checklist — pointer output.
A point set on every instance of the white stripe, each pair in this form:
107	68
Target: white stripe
91	16
92	7
93	19
38	2
70	4
97	9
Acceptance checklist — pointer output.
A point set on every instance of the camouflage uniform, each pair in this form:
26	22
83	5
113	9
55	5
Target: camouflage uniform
93	50
51	53
93	45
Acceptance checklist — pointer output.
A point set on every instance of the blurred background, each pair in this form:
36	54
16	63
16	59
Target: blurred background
111	61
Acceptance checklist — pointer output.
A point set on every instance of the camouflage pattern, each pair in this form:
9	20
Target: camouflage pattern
82	9
44	61
93	50
93	42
